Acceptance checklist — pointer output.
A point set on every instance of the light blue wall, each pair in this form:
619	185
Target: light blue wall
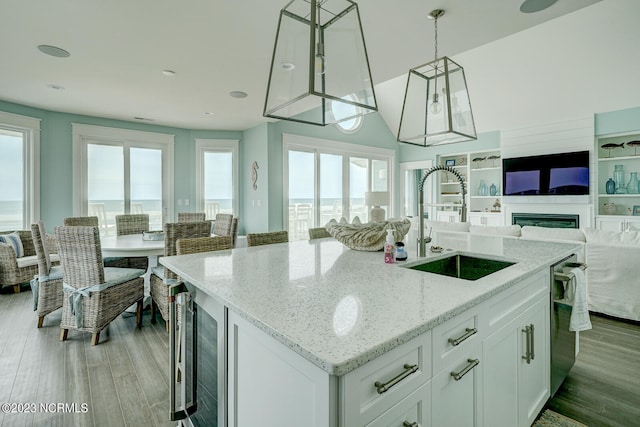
374	132
255	213
56	201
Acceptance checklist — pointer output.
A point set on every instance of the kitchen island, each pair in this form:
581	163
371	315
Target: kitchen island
341	317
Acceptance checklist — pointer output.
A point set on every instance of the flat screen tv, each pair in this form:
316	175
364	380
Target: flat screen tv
562	174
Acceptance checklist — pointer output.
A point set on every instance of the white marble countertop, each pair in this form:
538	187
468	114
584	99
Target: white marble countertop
340	308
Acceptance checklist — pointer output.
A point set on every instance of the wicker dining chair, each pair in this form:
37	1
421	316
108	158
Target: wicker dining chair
234	231
46	286
162	277
318	233
191	216
89	221
94	295
133	224
223	225
259	239
92	221
194	245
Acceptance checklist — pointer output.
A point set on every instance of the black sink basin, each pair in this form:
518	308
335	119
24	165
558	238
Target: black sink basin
462	266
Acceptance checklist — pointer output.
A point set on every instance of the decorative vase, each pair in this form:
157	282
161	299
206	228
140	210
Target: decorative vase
632	185
610	186
493	190
482	189
618	177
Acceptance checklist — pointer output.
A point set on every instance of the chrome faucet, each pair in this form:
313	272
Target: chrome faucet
422	243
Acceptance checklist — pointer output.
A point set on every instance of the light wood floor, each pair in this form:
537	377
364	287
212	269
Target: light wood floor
603	388
124	379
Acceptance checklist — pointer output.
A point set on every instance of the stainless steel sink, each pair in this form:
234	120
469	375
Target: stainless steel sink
462	266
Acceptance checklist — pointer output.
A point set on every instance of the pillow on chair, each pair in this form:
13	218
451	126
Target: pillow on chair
13	239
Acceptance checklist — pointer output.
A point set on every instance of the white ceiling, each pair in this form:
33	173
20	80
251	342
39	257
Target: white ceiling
120	47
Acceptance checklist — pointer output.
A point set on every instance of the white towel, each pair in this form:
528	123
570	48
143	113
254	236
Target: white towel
576	295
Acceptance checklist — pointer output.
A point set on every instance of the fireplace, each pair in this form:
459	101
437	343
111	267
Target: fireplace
546	220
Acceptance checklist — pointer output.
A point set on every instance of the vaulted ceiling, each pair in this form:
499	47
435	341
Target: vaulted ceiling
120	48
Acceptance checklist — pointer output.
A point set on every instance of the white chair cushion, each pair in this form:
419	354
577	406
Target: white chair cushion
447	226
27	261
604	237
496	230
531	232
115	275
158	270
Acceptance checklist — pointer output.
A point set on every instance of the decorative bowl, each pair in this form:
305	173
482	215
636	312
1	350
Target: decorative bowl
153	235
370	236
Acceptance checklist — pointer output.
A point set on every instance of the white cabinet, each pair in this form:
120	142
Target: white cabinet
456	390
617	222
270	385
486	218
516	371
448	216
476	369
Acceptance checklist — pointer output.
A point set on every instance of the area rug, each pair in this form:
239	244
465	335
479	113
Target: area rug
553	419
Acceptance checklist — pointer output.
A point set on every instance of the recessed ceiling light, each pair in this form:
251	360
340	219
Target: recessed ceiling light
287	66
53	51
238	94
169	73
208	113
143	119
531	6
55	87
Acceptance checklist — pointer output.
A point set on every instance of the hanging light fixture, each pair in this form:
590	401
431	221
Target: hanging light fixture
319	59
436	108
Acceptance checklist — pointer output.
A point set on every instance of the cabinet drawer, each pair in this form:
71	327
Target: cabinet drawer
515	300
381	383
455	336
415	408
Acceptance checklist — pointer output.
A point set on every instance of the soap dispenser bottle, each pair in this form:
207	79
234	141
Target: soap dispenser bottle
389	248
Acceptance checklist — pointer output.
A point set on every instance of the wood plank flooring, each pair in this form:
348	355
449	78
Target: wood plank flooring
124	380
603	388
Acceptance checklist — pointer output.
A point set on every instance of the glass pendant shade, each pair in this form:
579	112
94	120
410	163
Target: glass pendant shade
319	59
436	108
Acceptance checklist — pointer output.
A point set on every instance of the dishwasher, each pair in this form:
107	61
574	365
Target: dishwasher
562	341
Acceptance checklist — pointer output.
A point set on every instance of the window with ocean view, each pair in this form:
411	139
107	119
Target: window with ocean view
327	180
216	177
19	192
128	175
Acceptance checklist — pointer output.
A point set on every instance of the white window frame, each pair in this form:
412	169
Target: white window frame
324	146
30	128
83	135
216	146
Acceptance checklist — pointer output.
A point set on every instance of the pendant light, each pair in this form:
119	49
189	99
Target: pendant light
436	108
319	64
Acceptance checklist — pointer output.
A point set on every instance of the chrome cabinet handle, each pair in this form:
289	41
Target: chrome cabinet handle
472	364
385	386
531	336
529	354
408	424
467	333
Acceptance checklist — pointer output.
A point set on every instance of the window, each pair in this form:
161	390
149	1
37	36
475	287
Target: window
20	178
118	171
327	180
342	110
216	177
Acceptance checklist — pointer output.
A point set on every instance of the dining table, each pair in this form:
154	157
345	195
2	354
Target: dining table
132	245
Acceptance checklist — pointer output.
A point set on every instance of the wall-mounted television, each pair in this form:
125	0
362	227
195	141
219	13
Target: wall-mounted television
562	174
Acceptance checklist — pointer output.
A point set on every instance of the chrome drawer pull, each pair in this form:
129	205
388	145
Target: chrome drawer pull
408	424
472	364
384	387
468	332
